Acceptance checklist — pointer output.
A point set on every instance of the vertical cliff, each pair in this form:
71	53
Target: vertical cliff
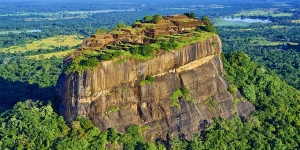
111	95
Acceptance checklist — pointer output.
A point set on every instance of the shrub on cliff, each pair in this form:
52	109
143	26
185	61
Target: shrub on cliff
107	56
121	25
91	62
149	80
182	92
168	45
146	50
190	15
211	28
81	63
205	20
101	31
156	18
134	50
147	18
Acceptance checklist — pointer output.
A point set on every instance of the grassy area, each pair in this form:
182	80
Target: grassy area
91	53
48	43
264	42
49	55
249	29
62	13
198	37
282	15
148	80
278	26
55	18
222	22
182	40
295	21
117	32
253	13
48	16
262	13
7	32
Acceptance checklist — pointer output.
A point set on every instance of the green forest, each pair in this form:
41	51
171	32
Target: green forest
261	60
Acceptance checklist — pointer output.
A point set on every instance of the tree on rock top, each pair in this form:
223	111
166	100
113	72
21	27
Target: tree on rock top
121	25
190	15
209	27
157	18
147	18
206	20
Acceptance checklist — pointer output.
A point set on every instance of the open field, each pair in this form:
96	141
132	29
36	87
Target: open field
261	41
278	26
282	15
48	43
253	13
61	15
7	32
47	16
265	13
222	22
49	55
295	21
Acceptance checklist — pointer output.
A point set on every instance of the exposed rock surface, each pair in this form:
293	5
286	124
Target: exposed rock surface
111	97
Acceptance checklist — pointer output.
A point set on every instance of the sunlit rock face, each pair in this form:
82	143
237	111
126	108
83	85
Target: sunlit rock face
111	96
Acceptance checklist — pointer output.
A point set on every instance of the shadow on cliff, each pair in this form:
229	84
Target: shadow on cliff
13	92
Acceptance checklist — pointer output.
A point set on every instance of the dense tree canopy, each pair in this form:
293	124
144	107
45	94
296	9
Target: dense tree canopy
274	48
22	79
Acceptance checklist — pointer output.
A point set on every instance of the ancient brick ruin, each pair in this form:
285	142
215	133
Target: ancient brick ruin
144	33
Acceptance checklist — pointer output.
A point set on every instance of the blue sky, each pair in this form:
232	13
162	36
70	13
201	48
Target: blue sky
114	1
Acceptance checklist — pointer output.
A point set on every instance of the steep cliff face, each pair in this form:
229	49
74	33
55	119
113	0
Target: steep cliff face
111	95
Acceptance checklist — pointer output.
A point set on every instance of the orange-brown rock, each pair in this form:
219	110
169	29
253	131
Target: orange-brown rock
97	40
111	96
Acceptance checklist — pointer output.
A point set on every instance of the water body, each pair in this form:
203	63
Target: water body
17	31
247	20
34	30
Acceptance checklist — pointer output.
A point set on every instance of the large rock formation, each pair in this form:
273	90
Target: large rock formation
111	95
